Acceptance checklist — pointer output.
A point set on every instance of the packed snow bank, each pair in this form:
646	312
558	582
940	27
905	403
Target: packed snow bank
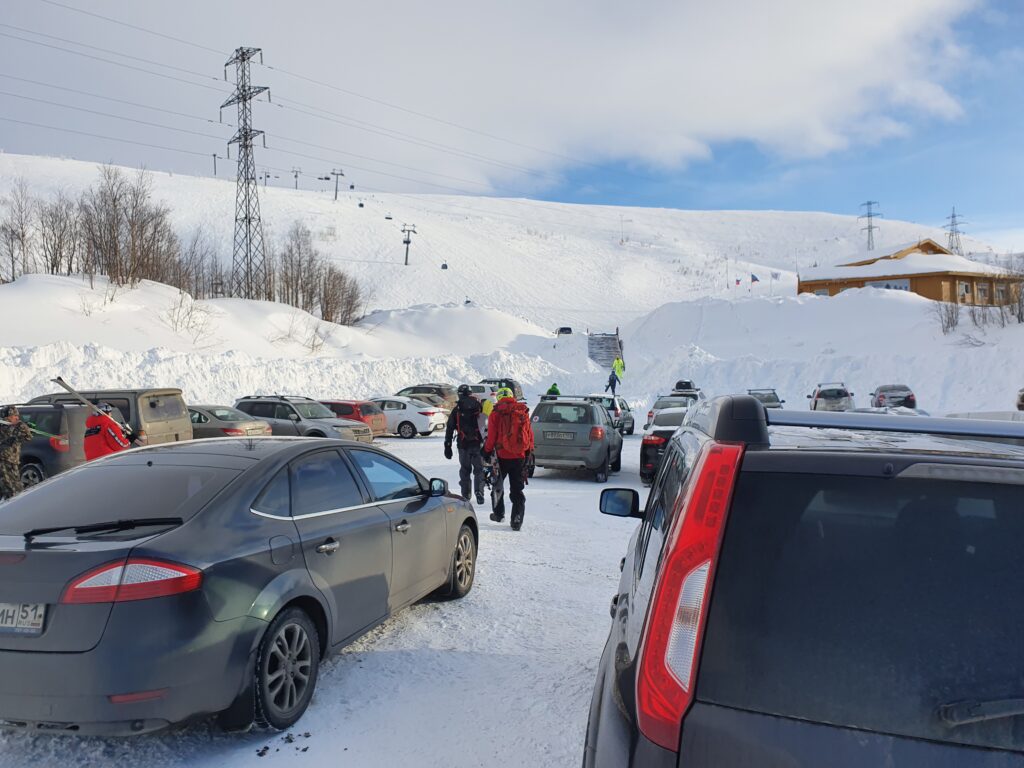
555	264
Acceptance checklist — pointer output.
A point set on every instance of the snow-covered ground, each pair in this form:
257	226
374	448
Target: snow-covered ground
500	678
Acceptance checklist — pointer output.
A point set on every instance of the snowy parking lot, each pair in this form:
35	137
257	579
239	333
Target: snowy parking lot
501	678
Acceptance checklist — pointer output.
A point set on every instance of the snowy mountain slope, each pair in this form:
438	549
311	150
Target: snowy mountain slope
554	264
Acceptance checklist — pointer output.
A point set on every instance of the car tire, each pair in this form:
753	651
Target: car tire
316	434
32	473
601	473
463	571
426	434
617	464
407	430
289	646
632	428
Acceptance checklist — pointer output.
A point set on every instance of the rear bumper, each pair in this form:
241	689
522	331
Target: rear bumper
570	457
199	666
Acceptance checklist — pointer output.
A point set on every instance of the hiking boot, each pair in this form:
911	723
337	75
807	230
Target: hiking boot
480	498
496	517
517	523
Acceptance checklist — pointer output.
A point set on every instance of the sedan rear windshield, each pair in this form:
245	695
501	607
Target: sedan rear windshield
104	492
229	414
672	418
683	401
832	394
870	603
563	413
369	409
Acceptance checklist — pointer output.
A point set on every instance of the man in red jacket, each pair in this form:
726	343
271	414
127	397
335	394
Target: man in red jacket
103	435
510	435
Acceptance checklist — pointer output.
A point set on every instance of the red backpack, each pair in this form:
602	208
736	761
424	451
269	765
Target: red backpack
516	435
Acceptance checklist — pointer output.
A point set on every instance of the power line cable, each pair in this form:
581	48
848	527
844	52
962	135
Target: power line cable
101	136
135	27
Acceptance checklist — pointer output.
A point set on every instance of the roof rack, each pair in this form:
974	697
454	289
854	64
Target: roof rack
743	419
571	397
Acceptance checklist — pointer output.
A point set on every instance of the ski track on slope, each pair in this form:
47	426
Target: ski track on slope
500	678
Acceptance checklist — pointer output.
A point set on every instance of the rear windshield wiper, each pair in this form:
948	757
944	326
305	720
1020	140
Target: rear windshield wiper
973	711
113	525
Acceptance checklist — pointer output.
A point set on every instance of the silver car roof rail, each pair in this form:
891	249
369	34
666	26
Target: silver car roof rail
743	419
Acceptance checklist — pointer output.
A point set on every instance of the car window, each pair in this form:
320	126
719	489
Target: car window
388	479
282	411
669	418
876	600
121	403
228	414
313	410
563	413
262	410
370	409
275	498
44	421
322	482
832	393
342	409
196	417
161	407
623	405
651	535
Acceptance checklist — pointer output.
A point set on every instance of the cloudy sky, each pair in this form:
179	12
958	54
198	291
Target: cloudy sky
789	104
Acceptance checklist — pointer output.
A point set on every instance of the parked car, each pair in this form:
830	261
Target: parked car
483	391
512	384
360	410
292	416
224	421
407	417
892	396
237	567
443	395
155	416
831	397
672	401
655	441
796	597
61	448
1020	400
619	411
576	434
769	398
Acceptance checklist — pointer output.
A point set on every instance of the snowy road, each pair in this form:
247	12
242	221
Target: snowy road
502	678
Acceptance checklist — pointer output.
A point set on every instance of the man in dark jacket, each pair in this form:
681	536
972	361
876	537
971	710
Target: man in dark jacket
13	432
464	424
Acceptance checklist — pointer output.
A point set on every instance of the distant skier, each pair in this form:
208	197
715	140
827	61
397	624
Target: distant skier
510	437
464	423
103	435
13	432
613	381
554	390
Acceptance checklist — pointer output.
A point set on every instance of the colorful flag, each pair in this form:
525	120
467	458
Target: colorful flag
754	278
737	281
776	275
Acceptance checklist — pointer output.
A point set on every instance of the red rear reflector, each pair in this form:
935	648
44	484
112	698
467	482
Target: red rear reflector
131	698
654	440
133	579
597	433
60	444
670	644
141	438
231	432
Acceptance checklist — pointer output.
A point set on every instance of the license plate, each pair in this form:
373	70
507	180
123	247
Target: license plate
22	618
559	435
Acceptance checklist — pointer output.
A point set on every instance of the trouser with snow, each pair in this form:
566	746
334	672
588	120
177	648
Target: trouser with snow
471	463
513	470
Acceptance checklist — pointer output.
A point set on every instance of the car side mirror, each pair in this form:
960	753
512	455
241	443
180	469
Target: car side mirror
438	487
620	502
782	401
293	416
809	397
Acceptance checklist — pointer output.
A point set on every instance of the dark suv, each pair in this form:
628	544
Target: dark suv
819	589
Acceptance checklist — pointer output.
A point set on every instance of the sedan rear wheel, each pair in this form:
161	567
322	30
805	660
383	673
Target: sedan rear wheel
286	670
32	474
463	564
407	430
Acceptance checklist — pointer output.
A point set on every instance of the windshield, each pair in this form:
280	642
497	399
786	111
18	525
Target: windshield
683	401
669	418
867	602
766	397
312	410
832	394
562	413
101	492
229	414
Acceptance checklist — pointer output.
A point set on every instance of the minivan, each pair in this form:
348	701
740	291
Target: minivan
155	415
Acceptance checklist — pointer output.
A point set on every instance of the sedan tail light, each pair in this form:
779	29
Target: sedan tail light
428	413
232	432
670	643
596	433
133	579
653	440
60	443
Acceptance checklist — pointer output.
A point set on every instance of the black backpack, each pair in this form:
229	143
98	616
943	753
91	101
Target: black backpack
467	420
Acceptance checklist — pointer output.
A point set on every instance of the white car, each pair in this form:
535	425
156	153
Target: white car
408	418
833	396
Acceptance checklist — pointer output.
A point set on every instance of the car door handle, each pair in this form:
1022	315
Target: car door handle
329	547
402	527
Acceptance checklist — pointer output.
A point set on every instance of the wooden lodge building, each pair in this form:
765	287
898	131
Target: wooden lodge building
924	268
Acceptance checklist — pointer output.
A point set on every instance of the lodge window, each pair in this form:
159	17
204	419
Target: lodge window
983	293
1001	294
963	290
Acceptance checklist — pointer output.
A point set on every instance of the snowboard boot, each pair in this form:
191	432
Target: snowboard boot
517	522
479	497
496	517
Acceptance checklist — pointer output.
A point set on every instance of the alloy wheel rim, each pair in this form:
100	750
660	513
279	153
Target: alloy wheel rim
289	668
31	476
464	560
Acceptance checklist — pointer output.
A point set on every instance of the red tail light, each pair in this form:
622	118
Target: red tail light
133	579
881	399
141	438
134	698
670	644
60	444
654	440
428	413
232	432
596	433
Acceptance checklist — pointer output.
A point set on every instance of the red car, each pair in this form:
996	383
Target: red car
361	410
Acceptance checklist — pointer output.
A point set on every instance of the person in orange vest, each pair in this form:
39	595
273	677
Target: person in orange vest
103	435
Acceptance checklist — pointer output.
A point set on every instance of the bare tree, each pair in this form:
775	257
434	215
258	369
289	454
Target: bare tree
16	230
948	313
59	233
341	299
